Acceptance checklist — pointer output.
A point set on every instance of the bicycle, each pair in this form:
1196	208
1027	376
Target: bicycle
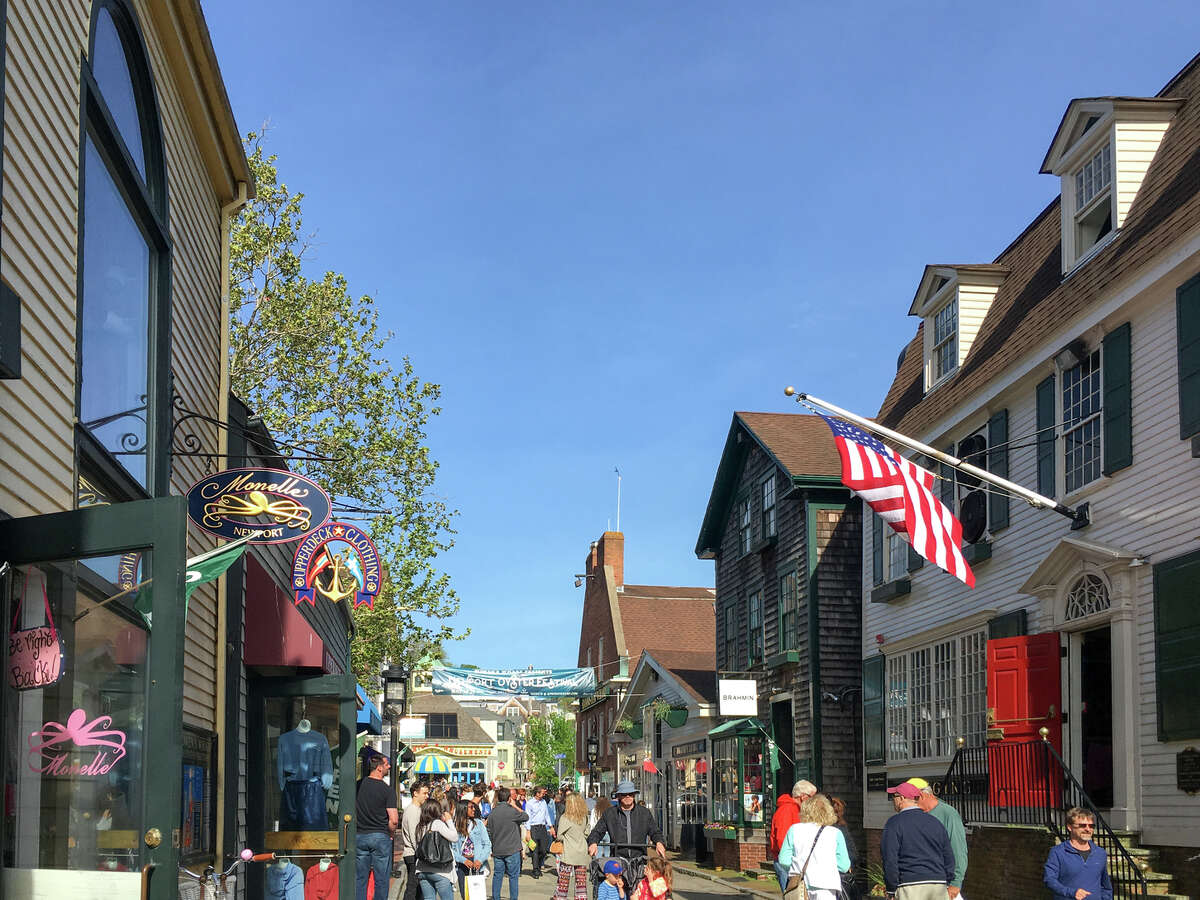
213	885
633	867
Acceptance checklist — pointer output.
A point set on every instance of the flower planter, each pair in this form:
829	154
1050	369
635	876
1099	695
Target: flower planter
727	832
677	718
635	732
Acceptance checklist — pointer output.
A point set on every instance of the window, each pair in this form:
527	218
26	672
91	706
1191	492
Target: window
1087	596
442	725
730	655
658	738
1081	422
589	657
738	779
502	756
512	712
199	809
500	731
1093	205
789	611
768	506
124	299
945	340
756	643
897	553
744	535
935	694
600	657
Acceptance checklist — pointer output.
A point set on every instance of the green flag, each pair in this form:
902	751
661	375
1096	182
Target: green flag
200	569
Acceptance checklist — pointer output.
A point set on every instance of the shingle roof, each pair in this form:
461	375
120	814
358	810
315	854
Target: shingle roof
655	623
654	590
802	444
695	671
469	731
1035	300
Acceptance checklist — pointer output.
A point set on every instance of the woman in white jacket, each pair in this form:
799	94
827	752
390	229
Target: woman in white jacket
815	847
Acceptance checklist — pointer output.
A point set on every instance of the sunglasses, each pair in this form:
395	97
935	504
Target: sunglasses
1086	825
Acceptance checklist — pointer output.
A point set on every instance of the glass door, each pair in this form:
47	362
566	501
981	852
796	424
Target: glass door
91	704
301	793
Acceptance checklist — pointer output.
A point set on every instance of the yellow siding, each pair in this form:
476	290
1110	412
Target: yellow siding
973	303
1136	144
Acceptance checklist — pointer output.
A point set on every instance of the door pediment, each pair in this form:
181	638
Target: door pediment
1071	556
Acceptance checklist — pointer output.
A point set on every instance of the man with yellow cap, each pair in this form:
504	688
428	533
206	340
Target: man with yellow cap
953	823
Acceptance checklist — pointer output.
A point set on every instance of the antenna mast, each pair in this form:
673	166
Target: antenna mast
618	471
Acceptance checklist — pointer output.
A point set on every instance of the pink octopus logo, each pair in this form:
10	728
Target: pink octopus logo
53	745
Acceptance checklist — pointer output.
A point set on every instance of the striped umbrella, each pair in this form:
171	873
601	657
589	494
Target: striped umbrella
432	764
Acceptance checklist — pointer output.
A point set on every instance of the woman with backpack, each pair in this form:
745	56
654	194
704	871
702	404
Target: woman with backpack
435	852
472	846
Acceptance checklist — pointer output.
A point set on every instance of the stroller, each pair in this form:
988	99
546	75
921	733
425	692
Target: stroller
633	861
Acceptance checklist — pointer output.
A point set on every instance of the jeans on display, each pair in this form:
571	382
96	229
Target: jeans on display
435	886
304	806
506	865
373	853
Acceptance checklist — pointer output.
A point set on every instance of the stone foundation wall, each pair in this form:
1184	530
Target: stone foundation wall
1174	861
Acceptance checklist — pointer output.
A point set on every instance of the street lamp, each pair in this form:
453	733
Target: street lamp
395	699
593	754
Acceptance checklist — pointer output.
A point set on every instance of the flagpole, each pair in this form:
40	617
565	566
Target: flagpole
1033	498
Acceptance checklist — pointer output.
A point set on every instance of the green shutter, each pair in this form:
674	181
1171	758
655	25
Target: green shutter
1008	625
1045	437
997	437
877	547
1118	405
873	726
1187	329
1177	647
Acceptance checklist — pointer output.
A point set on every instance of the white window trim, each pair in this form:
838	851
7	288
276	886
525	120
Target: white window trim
894	569
1060	454
950	339
1072	163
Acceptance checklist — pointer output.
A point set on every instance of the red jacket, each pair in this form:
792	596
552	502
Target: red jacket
787	814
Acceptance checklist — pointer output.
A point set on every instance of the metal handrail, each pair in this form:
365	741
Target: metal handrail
1028	783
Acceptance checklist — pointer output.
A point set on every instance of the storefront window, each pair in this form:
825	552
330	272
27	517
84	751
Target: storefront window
739	773
752	779
75	716
198	818
725	781
691	794
302	784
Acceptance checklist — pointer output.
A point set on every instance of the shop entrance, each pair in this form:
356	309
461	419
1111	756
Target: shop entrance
91	701
785	740
302	780
1092	738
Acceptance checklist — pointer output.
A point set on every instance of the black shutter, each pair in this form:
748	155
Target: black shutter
946	484
1008	625
997	435
1177	647
1045	438
877	547
1118	405
873	724
1187	330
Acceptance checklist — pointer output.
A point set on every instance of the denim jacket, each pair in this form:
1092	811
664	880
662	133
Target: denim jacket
483	844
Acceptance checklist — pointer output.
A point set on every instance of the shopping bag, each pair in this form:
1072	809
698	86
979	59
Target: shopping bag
477	885
35	657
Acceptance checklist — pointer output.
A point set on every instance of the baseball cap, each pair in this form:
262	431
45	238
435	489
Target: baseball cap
613	867
919	783
905	789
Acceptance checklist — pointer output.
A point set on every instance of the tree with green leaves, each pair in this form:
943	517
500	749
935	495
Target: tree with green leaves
545	736
309	358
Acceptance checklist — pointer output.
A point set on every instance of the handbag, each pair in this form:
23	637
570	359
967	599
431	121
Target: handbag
476	885
35	657
556	847
796	889
434	850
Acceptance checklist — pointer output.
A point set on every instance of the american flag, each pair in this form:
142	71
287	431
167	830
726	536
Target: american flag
901	492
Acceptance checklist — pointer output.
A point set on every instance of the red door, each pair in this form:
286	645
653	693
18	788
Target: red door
1024	694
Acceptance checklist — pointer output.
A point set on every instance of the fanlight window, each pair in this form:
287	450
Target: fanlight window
1087	596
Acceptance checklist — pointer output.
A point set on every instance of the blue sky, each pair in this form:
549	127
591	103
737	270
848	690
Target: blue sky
602	228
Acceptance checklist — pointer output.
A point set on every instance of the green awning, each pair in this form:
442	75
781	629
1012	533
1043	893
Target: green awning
739	728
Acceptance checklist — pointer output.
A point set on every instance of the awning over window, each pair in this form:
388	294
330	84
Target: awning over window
277	634
739	728
369	720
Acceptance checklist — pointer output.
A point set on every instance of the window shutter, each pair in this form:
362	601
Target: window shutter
1177	647
946	483
873	726
997	434
877	547
1187	328
1118	409
1045	438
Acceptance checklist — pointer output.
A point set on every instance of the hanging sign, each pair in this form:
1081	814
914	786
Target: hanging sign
514	682
238	502
411	728
76	748
338	562
35	656
737	697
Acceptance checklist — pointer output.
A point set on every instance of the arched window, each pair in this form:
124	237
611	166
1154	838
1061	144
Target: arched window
1088	595
123	338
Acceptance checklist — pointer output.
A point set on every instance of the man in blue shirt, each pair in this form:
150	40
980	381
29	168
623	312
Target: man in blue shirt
1077	867
918	862
541	829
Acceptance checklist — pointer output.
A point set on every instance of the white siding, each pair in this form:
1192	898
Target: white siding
973	303
1135	146
1147	508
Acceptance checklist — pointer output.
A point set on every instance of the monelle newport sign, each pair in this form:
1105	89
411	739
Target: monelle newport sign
238	502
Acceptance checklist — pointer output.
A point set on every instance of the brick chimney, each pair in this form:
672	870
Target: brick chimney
610	551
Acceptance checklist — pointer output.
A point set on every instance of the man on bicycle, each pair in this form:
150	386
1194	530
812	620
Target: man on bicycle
627	824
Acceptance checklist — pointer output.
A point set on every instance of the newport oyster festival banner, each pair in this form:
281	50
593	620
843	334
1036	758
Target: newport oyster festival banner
541	683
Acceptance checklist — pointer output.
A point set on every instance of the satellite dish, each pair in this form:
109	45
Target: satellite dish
972	450
973	515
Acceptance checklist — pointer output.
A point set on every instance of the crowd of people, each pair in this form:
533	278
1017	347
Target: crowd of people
450	834
923	848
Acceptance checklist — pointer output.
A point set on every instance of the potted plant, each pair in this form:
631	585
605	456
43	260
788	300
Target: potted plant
629	727
720	830
660	708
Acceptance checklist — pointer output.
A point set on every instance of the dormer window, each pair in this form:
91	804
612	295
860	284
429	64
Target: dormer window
1102	151
945	340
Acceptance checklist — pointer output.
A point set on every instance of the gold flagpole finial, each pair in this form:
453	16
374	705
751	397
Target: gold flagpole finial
788	391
